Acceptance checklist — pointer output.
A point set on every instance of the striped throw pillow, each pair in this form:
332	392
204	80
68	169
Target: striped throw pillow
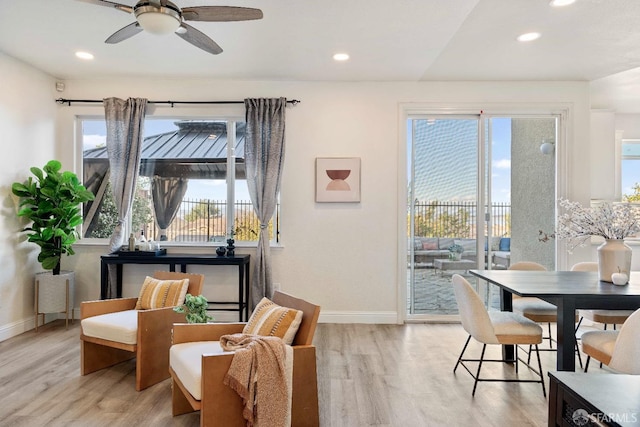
270	319
161	293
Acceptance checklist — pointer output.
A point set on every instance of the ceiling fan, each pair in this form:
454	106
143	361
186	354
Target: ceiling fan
164	17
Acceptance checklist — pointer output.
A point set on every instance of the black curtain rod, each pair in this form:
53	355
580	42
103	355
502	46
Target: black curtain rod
172	103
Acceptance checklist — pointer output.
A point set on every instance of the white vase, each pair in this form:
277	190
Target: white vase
614	256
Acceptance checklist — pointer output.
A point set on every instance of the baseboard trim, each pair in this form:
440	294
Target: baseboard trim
373	317
13	329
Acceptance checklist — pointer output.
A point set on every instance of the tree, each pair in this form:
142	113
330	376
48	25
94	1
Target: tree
427	222
108	216
635	197
202	209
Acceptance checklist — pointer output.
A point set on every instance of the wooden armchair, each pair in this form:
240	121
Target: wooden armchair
150	337
219	405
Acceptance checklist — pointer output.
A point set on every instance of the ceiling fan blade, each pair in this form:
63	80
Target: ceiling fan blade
124	33
122	7
220	13
198	39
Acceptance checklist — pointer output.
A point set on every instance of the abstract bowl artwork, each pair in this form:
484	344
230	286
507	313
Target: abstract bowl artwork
338	173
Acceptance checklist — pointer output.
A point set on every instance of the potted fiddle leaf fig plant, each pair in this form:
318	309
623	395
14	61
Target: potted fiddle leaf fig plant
51	203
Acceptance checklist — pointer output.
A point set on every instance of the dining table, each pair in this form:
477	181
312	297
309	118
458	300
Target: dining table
568	291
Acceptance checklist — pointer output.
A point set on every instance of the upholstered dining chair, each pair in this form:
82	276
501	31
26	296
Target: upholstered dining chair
198	366
606	317
536	309
531	307
116	330
495	327
619	350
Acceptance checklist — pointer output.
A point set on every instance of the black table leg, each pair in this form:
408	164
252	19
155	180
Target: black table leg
104	279
240	292
506	304
566	335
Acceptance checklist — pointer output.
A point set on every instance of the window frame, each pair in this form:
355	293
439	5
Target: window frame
620	157
231	120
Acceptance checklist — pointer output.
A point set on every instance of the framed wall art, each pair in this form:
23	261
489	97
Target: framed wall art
338	179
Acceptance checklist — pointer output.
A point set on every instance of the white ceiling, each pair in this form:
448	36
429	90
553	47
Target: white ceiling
388	40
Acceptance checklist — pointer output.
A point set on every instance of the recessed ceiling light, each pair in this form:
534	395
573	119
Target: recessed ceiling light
84	55
527	37
559	3
341	56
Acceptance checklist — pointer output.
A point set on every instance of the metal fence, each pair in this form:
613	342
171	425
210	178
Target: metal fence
458	219
206	221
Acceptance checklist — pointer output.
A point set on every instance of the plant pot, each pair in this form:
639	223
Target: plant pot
614	256
54	294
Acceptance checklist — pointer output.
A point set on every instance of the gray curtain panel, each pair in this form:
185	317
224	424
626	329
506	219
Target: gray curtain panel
125	121
167	194
264	157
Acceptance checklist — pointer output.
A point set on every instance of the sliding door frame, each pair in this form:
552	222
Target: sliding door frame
562	111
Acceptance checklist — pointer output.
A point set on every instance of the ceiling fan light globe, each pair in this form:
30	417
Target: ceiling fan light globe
158	23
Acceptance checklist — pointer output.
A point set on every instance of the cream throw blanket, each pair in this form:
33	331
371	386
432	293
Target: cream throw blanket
261	372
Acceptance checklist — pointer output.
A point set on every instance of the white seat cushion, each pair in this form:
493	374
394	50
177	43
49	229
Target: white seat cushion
186	361
121	326
508	323
534	305
588	314
603	341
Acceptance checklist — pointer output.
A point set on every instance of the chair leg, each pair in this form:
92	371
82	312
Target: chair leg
544	392
549	330
515	356
462	354
579	323
586	365
579	357
475	383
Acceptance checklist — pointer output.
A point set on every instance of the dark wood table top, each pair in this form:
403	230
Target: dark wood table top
557	283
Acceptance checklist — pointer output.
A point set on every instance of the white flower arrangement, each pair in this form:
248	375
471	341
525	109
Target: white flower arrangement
607	220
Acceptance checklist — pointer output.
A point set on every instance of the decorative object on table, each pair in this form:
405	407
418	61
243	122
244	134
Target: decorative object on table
125	252
338	179
612	221
221	250
51	202
455	252
231	249
619	278
195	308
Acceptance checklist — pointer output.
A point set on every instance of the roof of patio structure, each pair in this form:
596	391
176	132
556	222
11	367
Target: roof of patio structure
197	150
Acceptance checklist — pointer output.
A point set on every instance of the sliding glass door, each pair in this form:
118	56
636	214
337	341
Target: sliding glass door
480	191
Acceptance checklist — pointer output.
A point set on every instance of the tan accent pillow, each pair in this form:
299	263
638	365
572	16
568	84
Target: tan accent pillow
270	319
161	293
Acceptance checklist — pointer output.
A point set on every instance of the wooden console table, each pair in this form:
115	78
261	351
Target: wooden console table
242	261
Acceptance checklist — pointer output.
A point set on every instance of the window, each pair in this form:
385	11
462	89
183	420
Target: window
630	170
183	193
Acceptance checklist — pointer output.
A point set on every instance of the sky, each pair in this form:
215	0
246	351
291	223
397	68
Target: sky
446	159
94	135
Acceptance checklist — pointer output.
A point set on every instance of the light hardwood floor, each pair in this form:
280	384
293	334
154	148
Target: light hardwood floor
368	375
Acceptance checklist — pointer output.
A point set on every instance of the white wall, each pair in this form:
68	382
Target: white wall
341	256
27	138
